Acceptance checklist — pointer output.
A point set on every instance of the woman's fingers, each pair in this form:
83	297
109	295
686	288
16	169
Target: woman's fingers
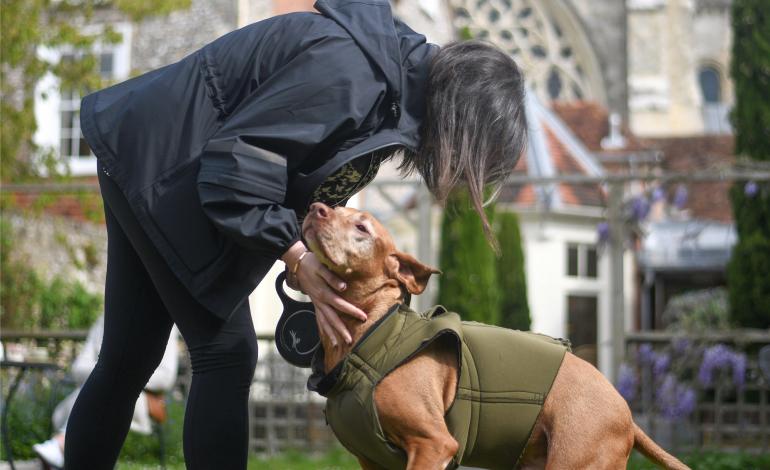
332	279
335	300
337	324
347	308
322	285
325	328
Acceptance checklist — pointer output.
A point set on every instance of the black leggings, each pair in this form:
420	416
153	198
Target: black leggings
143	299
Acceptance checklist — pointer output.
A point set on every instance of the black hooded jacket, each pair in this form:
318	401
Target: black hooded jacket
219	153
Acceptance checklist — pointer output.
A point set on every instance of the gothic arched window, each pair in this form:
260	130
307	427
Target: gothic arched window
543	37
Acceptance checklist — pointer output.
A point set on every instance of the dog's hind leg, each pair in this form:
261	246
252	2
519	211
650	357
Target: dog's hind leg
588	424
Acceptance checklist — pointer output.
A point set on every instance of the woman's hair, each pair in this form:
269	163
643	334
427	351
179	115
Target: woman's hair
475	127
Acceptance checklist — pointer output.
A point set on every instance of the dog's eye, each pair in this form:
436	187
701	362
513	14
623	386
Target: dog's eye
362	228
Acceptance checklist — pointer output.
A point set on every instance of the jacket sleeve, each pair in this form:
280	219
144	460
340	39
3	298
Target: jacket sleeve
303	109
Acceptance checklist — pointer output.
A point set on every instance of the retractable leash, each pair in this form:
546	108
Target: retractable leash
296	335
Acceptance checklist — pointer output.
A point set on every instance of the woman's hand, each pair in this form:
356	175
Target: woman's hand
322	285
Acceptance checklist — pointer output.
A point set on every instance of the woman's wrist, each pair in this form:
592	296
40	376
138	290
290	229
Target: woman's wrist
291	255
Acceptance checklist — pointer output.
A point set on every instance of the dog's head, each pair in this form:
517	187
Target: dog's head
355	246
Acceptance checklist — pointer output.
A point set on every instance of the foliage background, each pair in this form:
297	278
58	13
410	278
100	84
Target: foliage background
29	301
468	283
476	283
511	277
25	27
748	270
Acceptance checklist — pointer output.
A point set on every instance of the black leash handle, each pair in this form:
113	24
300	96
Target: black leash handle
296	334
285	299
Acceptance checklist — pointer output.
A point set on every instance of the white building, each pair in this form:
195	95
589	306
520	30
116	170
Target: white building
567	271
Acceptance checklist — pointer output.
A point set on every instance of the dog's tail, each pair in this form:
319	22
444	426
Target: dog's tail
654	452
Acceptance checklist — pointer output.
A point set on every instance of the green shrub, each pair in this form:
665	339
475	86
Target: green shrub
19	285
750	70
748	278
698	311
29	422
29	417
511	279
468	284
751	211
27	301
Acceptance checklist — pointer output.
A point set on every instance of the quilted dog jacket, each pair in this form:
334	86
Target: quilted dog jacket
504	377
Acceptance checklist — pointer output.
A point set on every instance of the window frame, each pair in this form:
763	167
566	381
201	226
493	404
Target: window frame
582	250
51	103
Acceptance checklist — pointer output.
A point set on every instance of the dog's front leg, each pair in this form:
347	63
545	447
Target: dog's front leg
430	454
411	402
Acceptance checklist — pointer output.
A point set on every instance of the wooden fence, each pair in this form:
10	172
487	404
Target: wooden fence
282	413
726	416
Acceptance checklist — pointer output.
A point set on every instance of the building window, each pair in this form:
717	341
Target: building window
708	78
73	146
582	327
582	261
542	39
715	111
57	109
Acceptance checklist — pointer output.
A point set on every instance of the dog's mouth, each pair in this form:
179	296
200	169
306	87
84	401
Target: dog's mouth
314	240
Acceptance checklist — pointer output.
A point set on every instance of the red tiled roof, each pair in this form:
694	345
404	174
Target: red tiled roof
706	200
588	120
564	163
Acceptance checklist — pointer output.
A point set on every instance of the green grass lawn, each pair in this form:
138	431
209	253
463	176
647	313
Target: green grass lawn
709	461
338	459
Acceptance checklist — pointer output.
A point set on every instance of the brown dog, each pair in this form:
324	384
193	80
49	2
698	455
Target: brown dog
584	423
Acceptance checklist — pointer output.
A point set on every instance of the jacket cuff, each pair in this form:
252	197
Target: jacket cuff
295	239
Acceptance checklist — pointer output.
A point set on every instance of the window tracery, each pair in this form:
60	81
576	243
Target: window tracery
539	41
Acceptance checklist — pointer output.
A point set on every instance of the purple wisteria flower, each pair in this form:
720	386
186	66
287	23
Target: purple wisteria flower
675	400
680	345
720	357
680	197
640	208
658	194
603	232
660	364
627	382
645	354
687	400
751	189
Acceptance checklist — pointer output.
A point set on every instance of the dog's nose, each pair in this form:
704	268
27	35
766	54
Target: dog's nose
320	210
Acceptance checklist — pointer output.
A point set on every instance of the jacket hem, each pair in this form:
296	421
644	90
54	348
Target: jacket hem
93	138
194	284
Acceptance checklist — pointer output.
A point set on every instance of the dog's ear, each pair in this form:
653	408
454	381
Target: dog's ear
410	272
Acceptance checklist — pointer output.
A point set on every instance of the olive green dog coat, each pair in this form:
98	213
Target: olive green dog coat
504	377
